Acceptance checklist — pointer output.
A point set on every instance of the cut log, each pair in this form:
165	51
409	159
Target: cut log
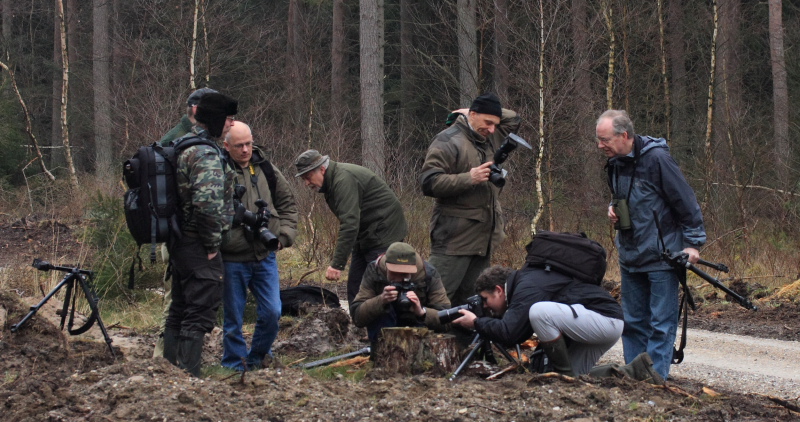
415	350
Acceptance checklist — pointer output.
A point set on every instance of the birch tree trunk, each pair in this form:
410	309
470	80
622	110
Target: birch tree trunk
539	194
780	90
612	46
102	89
193	54
73	177
371	36
709	153
467	51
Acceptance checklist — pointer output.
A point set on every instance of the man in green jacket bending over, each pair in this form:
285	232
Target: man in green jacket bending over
467	223
370	215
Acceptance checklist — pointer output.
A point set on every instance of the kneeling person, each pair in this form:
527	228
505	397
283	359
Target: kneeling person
399	273
552	305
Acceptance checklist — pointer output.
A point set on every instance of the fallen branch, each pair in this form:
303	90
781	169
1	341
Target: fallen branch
498	411
766	188
676	390
782	402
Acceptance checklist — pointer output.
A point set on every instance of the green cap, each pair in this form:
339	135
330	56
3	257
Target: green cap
401	258
309	160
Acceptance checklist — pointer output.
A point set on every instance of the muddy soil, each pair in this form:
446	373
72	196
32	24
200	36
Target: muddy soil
49	375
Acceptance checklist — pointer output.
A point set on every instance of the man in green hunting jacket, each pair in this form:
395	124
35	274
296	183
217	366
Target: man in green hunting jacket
467	223
370	215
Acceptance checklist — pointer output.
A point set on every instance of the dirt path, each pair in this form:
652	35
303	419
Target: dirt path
740	363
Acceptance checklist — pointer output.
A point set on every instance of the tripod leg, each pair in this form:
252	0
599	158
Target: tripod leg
36	307
476	344
92	299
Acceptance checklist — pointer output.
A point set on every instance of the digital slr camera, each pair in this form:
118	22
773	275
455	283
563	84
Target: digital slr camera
474	304
498	174
402	298
255	222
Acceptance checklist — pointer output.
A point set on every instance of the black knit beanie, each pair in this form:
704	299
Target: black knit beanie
487	104
213	109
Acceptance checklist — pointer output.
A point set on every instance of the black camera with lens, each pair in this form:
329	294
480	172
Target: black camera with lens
498	173
255	222
402	297
474	304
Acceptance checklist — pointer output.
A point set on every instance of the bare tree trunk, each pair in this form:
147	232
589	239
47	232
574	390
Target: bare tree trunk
407	62
8	12
677	62
57	150
502	73
73	177
539	194
709	153
371	36
193	54
612	45
338	83
664	76
28	124
467	51
780	90
102	89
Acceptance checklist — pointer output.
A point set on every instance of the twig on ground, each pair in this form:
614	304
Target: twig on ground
498	411
785	403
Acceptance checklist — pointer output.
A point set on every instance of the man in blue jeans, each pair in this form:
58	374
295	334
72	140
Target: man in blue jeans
646	185
248	251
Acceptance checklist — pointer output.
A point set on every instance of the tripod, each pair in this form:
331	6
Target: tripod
485	347
73	275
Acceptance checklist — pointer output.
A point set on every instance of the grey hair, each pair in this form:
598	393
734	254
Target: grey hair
620	121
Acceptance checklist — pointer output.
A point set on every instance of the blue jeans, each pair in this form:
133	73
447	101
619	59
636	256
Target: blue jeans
650	307
261	278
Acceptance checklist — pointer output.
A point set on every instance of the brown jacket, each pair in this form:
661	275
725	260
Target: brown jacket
467	219
367	305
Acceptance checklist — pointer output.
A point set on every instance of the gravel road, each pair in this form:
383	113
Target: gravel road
740	363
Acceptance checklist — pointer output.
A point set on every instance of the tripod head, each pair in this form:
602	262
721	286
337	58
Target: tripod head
46	266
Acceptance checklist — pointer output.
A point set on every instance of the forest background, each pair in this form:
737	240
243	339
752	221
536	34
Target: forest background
85	83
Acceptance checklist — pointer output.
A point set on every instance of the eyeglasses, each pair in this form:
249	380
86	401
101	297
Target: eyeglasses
231	118
242	145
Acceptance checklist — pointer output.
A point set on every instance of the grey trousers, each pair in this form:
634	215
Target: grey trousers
591	334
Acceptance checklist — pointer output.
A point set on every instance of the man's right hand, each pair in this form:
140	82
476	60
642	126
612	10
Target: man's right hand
333	273
481	173
389	295
612	215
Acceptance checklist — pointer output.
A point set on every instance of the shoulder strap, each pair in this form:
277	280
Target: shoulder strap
272	180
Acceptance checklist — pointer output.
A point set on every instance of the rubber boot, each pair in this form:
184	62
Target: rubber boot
190	351
640	369
558	356
170	342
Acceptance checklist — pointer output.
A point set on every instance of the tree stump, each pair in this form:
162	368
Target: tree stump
416	350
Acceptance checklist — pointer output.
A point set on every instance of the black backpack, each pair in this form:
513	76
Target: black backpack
152	211
572	254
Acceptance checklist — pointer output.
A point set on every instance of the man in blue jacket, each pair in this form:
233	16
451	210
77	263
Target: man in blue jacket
646	181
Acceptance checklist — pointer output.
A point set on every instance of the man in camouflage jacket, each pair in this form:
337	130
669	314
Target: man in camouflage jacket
467	223
205	190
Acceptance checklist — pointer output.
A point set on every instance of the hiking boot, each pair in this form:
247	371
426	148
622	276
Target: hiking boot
170	345
558	356
190	351
640	369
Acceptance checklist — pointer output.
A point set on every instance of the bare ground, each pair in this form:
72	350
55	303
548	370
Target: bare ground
49	375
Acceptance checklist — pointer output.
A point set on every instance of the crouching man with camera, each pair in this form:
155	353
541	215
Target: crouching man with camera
265	221
398	289
576	322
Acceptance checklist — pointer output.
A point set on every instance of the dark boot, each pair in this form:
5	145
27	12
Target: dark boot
558	356
170	340
640	369
190	351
